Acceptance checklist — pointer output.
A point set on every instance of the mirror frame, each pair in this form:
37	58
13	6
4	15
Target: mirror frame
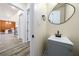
68	18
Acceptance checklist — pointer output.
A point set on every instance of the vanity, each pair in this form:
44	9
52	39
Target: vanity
59	46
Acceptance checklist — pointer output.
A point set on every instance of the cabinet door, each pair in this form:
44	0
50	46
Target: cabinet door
58	49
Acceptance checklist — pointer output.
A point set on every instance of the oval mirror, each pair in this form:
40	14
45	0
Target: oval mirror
61	13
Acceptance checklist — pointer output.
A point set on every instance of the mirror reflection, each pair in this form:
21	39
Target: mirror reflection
61	13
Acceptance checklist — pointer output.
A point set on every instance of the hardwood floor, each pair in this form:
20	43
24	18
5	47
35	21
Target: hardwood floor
12	46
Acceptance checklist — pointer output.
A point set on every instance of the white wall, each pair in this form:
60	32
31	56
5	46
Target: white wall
6	11
39	27
69	29
5	14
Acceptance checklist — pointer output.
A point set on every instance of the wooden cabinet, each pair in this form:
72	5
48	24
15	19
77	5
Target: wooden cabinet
4	25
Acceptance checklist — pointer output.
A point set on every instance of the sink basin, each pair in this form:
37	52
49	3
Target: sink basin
64	39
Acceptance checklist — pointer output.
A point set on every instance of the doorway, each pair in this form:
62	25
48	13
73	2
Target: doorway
14	31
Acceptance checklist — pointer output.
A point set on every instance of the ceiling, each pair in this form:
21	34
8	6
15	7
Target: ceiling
6	10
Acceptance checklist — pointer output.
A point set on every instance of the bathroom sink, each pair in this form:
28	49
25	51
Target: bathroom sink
62	39
59	46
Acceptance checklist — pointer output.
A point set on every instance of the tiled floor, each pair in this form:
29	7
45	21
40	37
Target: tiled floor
11	45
